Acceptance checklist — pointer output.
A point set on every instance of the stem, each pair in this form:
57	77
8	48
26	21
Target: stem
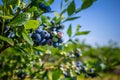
3	21
4	47
25	9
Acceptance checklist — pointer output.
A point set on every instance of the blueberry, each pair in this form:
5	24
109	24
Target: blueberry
38	30
44	8
79	64
60	27
42	5
47	9
49	42
52	22
66	74
48	36
36	37
86	75
60	40
11	35
55	44
43	42
91	70
77	54
44	34
22	75
44	25
53	29
6	29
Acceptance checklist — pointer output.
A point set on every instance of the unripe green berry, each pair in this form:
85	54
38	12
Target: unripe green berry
55	39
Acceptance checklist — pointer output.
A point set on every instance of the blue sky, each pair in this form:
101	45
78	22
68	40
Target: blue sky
102	19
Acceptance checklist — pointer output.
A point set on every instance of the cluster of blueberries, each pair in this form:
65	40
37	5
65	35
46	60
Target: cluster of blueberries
45	8
75	54
9	33
50	37
79	69
77	66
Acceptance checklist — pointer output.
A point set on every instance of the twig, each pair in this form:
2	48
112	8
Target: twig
4	47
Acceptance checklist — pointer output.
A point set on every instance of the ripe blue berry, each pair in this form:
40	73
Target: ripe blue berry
42	5
86	75
38	30
60	40
48	36
49	42
47	9
22	75
36	37
91	70
44	34
43	42
55	44
60	27
44	25
11	35
79	64
52	22
66	74
6	29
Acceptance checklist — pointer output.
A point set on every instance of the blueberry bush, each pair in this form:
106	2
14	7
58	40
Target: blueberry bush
32	44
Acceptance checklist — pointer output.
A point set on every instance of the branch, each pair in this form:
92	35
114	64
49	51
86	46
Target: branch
4	47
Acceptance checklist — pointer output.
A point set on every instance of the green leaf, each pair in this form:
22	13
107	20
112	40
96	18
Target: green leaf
78	27
32	9
66	0
72	78
20	20
8	40
39	48
58	17
69	31
12	2
71	8
27	37
44	19
61	4
6	17
71	18
87	4
82	33
56	74
32	24
49	2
